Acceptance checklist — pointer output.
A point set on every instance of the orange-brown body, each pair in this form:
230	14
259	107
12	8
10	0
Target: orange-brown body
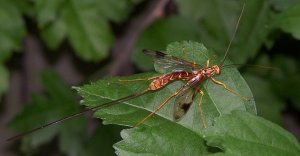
166	78
197	75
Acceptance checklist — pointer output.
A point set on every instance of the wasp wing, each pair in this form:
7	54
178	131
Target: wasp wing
165	63
184	101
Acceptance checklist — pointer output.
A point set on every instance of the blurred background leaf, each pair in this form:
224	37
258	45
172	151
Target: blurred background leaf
217	20
12	29
282	5
160	34
56	102
269	105
11	33
87	31
289	20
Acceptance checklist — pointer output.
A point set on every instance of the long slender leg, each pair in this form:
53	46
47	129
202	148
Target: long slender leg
194	65
141	79
162	104
232	91
199	106
207	63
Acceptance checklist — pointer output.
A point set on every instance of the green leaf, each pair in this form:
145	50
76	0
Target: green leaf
47	11
162	139
11	29
160	33
54	33
59	102
54	29
217	102
89	33
80	22
289	20
242	133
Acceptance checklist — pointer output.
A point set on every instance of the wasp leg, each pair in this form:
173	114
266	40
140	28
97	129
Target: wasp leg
162	104
207	63
232	91
199	106
141	79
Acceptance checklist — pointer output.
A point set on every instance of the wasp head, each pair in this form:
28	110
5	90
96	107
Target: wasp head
216	69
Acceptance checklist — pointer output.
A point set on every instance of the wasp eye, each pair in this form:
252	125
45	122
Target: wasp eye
217	69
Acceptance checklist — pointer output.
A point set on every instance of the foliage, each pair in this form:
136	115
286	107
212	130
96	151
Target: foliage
268	34
289	21
58	102
252	135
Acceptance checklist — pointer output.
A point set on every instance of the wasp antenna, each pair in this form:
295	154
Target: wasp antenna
252	66
234	34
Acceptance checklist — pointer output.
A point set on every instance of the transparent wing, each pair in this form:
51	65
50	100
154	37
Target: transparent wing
184	101
165	63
